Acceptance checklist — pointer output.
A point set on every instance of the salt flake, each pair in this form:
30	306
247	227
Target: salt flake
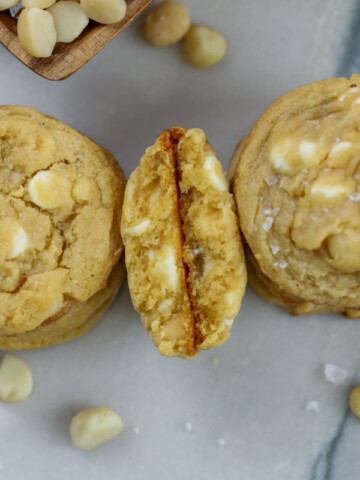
268	224
283	264
313	406
221	442
136	430
271	180
334	374
275	249
355	197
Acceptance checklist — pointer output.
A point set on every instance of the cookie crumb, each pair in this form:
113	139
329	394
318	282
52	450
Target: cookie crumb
313	406
335	374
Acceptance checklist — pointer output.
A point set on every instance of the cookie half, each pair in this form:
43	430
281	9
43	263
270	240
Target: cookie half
183	251
60	203
297	187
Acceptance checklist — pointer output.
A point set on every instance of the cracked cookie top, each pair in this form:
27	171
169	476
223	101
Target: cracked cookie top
298	191
60	208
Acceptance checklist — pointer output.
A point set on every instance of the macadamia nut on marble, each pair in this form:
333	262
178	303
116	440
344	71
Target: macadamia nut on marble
167	24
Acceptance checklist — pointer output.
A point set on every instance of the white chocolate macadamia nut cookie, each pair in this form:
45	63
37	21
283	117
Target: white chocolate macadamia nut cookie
184	255
297	187
60	209
166	24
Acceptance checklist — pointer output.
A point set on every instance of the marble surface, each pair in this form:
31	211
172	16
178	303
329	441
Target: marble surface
237	412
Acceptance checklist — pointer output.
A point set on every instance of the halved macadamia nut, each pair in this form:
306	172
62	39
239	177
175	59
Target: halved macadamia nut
36	32
104	11
37	3
69	19
5	4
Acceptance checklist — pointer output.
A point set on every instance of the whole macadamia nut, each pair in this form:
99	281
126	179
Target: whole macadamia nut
167	24
203	46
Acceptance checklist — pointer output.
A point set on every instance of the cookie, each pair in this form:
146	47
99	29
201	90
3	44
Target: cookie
183	251
60	202
297	188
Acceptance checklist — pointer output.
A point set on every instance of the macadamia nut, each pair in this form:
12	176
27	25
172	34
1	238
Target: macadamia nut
93	426
354	402
203	46
69	19
5	4
16	380
37	3
36	32
167	24
104	11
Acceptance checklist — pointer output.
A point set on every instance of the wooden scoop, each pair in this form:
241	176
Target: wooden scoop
67	58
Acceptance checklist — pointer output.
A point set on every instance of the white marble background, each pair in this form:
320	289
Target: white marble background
248	412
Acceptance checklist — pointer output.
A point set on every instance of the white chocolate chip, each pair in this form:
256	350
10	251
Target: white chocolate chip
215	173
339	147
166	265
104	11
36	32
138	229
69	19
307	150
228	322
50	190
19	243
331	187
16	380
166	304
93	426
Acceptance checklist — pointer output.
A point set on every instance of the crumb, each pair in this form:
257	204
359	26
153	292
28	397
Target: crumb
215	361
334	374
